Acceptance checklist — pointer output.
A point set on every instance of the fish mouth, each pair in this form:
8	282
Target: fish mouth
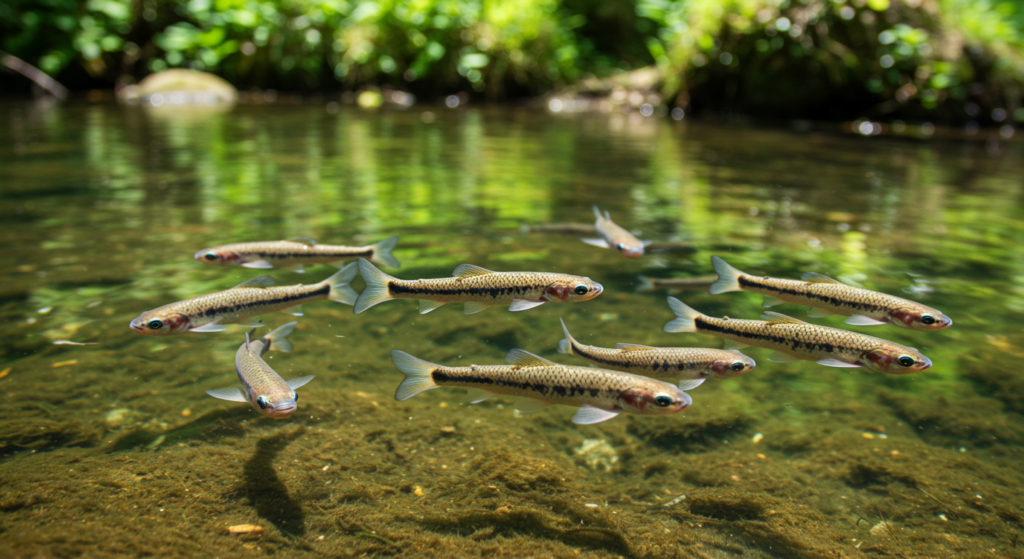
282	411
925	363
137	326
598	289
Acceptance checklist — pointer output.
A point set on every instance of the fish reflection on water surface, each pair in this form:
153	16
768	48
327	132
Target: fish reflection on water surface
295	253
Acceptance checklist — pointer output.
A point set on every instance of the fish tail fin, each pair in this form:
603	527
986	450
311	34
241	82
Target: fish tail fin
418	375
341	291
382	253
685	322
566	343
376	286
278	338
728	277
597	212
645	284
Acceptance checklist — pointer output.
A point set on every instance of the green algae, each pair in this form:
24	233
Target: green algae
122	454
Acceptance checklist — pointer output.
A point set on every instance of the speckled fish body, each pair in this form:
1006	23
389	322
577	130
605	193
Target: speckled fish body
793	340
262	387
240	304
615	237
661	362
477	287
600	394
295	254
828	296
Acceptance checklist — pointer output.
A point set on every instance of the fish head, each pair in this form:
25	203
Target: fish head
217	257
159	322
920	318
275	406
572	289
659	399
630	249
732	365
896	360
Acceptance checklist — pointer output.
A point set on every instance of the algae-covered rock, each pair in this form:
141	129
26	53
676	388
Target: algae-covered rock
180	87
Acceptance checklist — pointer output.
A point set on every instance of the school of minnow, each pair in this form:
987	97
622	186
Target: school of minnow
629	378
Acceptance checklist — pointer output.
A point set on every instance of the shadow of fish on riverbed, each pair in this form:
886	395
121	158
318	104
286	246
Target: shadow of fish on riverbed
265	491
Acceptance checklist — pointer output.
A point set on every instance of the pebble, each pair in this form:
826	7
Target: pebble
245	529
116	418
756	438
65	363
418	491
883	528
187	412
448	429
5	372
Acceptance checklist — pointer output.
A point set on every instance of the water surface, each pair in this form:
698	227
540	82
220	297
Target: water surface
114	448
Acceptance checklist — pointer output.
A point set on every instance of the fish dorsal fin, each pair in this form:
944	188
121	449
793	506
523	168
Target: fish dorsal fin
811	277
777	318
303	240
262	281
468	270
626	348
523	358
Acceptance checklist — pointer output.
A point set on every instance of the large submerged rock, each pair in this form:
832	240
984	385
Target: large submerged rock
180	87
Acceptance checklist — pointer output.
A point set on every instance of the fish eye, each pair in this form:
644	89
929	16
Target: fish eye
262	402
155	324
927	319
738	366
211	256
295	396
581	289
663	400
620	246
906	361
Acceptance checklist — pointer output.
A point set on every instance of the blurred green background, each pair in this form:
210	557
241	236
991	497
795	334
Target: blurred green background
944	60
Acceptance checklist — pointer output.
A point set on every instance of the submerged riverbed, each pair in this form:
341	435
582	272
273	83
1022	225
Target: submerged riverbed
113	448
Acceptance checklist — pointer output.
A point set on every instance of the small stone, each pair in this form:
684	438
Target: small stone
867	435
448	429
241	529
418	491
756	438
882	529
118	417
187	412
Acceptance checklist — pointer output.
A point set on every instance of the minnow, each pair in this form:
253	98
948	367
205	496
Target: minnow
827	296
690	364
477	287
295	254
262	387
538	383
681	284
613	236
794	340
238	305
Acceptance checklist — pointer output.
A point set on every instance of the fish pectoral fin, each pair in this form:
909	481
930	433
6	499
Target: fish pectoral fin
530	405
626	348
524	358
477	395
600	243
256	264
838	363
778	318
819	313
297	382
861	320
211	327
229	394
733	345
589	415
427	306
303	240
473	307
523	304
645	244
770	301
469	270
811	277
262	281
779	357
690	384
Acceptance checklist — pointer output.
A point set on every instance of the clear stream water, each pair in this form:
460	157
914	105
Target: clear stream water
114	449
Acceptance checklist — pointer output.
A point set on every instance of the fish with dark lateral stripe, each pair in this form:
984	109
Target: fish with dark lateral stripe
689	364
795	340
477	287
537	383
241	304
262	387
827	296
295	254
